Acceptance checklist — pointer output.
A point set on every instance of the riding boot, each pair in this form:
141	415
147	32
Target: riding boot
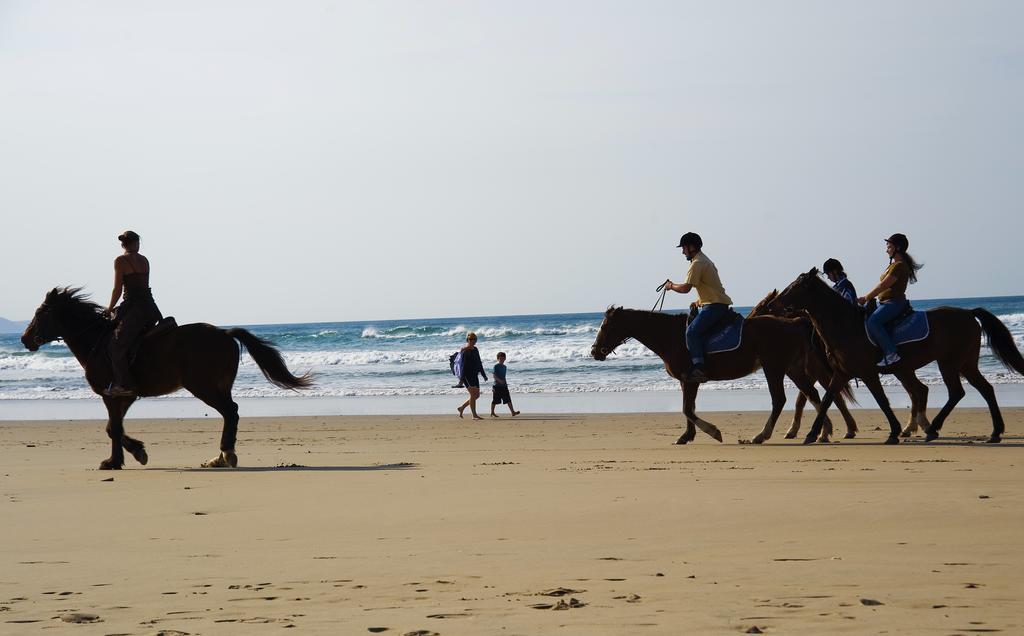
697	374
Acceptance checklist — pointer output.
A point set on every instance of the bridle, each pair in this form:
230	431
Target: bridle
40	342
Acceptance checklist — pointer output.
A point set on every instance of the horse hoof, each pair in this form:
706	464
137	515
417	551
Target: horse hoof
141	456
681	441
906	432
931	436
893	439
226	459
791	435
850	435
810	439
759	439
107	464
824	439
995	439
717	435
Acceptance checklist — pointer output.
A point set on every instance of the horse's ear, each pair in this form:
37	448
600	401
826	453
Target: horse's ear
52	294
813	271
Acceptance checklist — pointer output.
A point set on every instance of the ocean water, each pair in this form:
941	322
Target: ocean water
547	354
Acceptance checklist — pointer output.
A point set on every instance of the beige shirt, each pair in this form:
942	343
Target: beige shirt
703	276
901	272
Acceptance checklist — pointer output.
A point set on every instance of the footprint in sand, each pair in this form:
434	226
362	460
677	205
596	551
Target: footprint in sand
80	617
421	632
560	591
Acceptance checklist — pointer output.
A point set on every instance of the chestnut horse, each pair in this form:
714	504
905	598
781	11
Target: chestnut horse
818	368
954	342
199	357
779	346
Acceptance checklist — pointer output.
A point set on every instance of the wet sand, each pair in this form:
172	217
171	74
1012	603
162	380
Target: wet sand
592	524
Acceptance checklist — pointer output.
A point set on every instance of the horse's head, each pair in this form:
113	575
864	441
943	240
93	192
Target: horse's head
45	325
62	309
610	335
800	293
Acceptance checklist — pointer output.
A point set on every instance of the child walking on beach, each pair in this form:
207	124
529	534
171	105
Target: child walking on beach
501	395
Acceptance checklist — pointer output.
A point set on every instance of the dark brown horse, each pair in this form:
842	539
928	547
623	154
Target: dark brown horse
779	346
199	357
816	366
954	342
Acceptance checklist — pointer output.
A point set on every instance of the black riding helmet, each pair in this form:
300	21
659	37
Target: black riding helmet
691	238
900	241
832	265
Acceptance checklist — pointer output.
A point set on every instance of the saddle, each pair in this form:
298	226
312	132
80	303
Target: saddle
161	328
725	334
910	326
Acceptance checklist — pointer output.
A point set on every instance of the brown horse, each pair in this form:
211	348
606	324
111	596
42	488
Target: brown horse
817	367
954	342
199	357
779	346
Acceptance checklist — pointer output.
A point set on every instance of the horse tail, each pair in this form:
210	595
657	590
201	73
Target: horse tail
1000	340
818	351
270	362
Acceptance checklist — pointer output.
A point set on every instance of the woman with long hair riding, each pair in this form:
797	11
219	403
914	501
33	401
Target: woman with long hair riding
891	293
137	313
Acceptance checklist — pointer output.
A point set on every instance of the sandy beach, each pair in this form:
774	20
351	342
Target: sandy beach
593	524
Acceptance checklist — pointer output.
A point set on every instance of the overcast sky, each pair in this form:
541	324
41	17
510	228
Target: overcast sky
317	161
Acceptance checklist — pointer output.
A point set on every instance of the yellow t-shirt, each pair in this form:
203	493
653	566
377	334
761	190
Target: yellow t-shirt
901	271
703	276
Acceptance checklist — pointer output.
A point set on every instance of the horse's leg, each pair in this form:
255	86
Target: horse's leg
918	392
874	385
778	393
689	411
826	429
691	417
979	382
221	401
851	424
794	428
833	390
951	376
116	408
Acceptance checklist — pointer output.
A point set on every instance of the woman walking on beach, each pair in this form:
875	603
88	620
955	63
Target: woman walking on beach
472	368
891	293
136	314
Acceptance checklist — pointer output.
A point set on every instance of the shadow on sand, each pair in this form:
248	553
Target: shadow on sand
295	468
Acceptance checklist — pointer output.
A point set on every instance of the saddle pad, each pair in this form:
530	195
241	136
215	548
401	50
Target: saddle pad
911	329
725	339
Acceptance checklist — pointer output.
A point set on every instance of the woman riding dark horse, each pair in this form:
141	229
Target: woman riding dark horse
954	342
135	315
198	357
891	292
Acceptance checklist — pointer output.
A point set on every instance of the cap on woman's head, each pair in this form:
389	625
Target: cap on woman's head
900	241
127	236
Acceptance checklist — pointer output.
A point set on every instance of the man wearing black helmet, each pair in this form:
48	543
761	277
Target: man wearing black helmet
834	271
891	292
711	298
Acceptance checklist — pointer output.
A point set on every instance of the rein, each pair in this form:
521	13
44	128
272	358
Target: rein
660	303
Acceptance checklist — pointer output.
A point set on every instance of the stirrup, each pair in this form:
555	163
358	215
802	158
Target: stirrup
116	390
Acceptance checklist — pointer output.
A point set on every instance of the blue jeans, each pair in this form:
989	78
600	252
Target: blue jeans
707	316
885	314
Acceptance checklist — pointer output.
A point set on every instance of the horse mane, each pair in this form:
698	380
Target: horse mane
759	308
73	302
841	304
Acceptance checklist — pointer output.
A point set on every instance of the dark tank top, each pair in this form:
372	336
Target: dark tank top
136	286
